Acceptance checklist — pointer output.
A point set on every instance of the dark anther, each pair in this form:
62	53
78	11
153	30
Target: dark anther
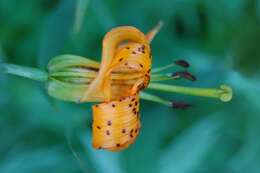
182	63
180	105
185	75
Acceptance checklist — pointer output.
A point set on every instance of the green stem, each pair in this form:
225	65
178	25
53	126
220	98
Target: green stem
27	72
154	98
224	93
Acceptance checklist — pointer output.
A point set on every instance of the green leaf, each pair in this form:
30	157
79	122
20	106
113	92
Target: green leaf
186	152
81	9
56	31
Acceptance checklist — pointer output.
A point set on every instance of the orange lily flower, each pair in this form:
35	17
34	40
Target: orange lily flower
127	53
124	71
117	83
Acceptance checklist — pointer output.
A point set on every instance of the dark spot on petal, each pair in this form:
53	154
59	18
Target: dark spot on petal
136	130
120	59
133	99
108	132
131	135
134	52
99	148
136	103
109	123
113	105
127	47
130	105
118	145
123	131
99	127
141	65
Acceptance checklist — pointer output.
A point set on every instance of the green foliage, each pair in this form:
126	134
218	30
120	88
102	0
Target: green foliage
220	39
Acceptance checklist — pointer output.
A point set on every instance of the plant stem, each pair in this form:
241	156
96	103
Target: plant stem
27	72
224	93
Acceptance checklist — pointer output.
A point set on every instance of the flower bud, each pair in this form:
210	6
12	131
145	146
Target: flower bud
70	76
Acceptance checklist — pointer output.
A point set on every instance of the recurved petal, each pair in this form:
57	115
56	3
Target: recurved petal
116	124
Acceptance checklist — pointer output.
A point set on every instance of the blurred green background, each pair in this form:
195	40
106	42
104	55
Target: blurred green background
220	39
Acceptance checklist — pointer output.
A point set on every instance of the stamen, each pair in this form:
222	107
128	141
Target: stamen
224	93
182	63
180	105
159	69
163	77
154	98
185	75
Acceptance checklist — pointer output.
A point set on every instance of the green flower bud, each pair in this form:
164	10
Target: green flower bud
70	76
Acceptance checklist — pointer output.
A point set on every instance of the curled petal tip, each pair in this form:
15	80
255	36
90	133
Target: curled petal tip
226	93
